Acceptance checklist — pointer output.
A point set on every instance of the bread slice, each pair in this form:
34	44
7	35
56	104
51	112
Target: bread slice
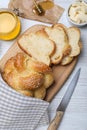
74	38
73	34
58	34
76	45
66	60
37	45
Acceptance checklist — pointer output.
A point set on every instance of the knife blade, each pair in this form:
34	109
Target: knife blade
64	102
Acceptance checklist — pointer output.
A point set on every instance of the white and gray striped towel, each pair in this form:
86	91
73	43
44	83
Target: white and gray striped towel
18	112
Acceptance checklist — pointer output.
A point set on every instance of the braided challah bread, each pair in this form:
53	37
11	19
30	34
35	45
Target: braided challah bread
28	76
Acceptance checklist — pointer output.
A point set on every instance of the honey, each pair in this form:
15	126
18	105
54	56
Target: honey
9	25
46	5
41	7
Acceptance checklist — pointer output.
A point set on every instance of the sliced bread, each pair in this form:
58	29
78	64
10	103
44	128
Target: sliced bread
76	45
74	38
37	45
58	34
66	60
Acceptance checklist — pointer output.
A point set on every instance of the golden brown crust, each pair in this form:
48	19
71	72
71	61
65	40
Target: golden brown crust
26	75
19	62
67	48
39	66
48	80
40	92
56	33
67	60
33	81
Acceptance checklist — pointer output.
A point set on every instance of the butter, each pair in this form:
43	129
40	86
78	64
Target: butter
78	12
7	22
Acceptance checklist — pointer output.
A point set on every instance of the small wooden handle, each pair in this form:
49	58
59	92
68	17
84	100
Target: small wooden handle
56	121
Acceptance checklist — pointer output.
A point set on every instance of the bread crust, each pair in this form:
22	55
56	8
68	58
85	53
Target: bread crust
40	92
67	60
78	47
65	50
32	29
34	44
26	75
38	66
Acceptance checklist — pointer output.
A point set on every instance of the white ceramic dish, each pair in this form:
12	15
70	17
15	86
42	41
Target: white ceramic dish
71	21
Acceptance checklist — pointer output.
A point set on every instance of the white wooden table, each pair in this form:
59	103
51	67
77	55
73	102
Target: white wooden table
75	117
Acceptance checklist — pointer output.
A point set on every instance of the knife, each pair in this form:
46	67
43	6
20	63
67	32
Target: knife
64	102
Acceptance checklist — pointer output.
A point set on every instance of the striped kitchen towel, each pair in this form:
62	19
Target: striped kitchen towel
19	112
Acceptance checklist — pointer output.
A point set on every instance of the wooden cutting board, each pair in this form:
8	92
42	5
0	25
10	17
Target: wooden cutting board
61	73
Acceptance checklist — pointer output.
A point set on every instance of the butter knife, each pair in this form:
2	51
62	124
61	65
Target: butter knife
64	102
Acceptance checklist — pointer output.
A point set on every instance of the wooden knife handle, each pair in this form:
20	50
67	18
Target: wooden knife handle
56	121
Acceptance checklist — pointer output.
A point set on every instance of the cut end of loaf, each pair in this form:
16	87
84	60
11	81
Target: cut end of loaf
38	45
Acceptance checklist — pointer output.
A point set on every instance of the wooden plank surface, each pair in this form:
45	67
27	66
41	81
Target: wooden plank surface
61	73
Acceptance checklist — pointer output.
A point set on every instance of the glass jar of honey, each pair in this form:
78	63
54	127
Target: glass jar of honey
9	24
